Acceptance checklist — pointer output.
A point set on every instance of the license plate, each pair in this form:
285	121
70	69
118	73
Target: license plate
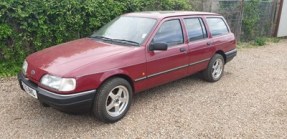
30	91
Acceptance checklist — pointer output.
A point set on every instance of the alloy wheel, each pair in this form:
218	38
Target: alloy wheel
217	68
117	101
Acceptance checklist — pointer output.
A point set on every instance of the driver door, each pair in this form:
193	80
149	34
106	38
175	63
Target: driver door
171	64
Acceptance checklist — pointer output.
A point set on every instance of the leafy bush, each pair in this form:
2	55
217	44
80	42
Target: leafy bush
27	26
251	16
260	41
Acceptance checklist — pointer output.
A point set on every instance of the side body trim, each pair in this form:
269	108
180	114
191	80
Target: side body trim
194	63
170	70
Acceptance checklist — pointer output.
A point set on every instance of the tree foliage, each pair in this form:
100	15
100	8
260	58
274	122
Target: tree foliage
27	26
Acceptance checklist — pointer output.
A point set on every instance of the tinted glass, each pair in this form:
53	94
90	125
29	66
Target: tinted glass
195	29
217	26
127	28
170	33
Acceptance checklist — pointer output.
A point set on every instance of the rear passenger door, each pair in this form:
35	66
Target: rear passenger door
199	45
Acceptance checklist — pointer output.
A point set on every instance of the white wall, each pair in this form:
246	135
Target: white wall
282	30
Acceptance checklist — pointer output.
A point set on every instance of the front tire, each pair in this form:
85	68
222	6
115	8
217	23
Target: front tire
215	69
112	100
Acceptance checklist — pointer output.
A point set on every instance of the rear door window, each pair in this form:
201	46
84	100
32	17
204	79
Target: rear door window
170	33
195	29
217	26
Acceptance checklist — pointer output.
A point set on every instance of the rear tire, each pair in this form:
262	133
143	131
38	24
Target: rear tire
215	69
112	100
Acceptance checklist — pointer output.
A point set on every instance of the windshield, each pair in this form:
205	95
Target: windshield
125	29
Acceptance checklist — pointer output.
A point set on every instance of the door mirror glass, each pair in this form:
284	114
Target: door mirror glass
158	46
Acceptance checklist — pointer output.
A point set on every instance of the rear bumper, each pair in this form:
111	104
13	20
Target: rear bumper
230	55
78	102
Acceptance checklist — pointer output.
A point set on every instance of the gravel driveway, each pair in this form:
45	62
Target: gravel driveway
250	101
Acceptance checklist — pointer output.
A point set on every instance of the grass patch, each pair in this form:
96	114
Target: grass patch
258	42
274	39
11	71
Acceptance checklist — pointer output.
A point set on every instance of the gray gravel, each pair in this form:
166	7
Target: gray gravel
250	101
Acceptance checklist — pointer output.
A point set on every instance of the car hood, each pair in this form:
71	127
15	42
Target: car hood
64	58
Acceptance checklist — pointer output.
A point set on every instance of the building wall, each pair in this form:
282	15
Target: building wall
282	29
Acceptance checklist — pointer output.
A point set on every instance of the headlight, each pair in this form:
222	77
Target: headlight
58	83
24	67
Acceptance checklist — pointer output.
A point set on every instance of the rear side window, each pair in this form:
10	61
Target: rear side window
195	29
217	26
170	33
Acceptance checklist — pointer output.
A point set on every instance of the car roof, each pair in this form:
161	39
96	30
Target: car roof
165	14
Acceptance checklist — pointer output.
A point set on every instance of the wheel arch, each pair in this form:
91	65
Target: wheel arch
222	54
118	75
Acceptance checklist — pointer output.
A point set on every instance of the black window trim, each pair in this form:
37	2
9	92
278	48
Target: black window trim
203	26
224	21
162	22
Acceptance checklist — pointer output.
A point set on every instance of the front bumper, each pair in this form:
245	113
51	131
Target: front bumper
78	102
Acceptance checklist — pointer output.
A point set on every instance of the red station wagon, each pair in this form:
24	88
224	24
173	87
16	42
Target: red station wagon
132	53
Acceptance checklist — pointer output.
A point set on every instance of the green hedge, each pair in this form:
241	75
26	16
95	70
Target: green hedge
27	26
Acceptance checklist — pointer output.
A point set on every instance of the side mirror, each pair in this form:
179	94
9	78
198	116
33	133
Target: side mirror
158	46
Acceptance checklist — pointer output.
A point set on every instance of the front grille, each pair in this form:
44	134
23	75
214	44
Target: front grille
33	83
30	80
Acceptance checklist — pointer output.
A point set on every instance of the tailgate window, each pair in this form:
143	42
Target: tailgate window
217	26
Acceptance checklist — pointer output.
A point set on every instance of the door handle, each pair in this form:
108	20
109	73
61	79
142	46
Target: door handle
182	49
209	43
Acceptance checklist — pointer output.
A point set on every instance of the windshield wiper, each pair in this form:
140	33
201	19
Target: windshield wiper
116	40
102	38
126	42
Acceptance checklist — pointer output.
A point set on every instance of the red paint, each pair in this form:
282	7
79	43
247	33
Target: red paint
91	62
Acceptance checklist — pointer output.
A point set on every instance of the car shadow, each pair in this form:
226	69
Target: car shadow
160	90
58	118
